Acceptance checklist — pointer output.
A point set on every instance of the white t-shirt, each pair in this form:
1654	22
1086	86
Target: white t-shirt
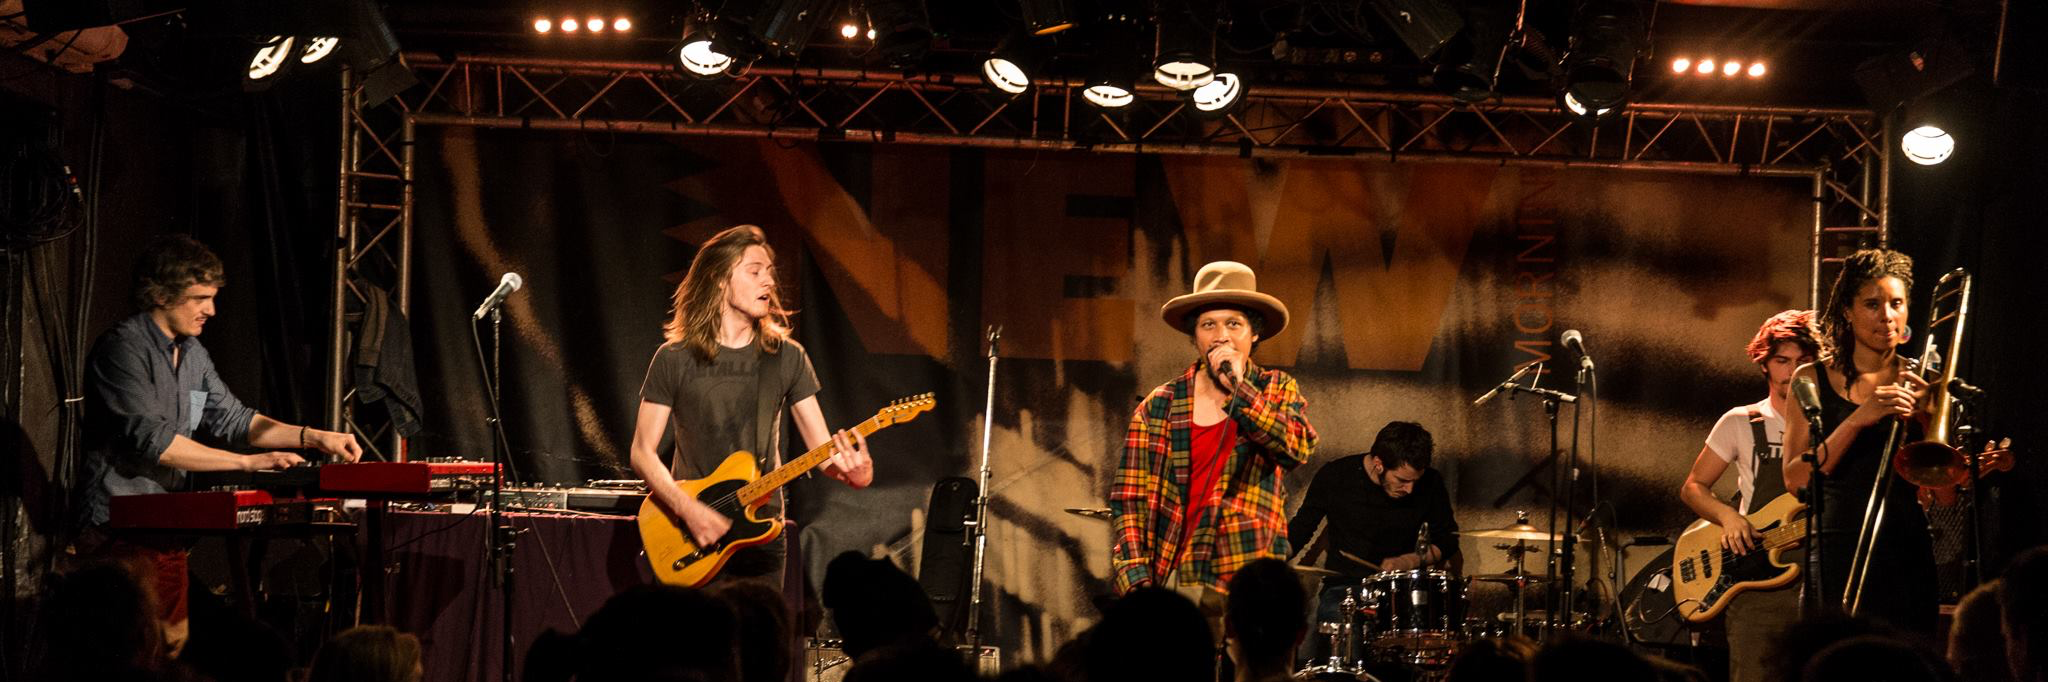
1734	441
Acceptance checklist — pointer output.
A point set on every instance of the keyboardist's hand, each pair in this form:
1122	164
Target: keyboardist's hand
270	460
342	447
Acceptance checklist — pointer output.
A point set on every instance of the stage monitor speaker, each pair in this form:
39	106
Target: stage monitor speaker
948	560
2021	61
1423	25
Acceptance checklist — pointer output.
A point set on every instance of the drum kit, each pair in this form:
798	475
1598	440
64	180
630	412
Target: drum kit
1418	619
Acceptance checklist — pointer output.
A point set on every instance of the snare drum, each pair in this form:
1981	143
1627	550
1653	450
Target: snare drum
1417	610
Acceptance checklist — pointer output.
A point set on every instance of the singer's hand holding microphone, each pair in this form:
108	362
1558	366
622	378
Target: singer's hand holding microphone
1225	358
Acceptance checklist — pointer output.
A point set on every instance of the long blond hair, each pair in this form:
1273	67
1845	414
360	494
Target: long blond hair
695	308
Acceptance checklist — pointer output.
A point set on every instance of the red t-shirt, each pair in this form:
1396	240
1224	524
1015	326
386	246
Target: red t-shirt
1209	452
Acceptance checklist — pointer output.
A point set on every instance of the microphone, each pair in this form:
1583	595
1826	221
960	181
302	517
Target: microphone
1905	333
1575	341
510	283
1808	395
1963	389
1504	385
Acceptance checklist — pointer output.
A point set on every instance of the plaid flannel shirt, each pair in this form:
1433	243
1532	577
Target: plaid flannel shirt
1246	518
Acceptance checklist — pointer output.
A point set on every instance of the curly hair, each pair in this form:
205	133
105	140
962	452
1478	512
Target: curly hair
694	310
169	264
1795	326
1403	444
1837	338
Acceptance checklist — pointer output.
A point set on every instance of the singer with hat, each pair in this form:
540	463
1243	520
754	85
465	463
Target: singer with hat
1198	492
1751	438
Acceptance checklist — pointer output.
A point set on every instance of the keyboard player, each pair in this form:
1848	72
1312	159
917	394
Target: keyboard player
152	396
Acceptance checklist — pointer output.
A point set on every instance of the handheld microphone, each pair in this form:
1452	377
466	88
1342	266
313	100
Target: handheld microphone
1808	395
510	283
1505	384
1575	341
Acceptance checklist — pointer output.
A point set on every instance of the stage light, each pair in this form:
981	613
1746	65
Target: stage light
871	35
1756	70
1110	95
622	24
570	25
1005	75
1607	37
1927	145
1681	65
1046	17
271	60
1573	105
543	25
595	24
1021	53
1706	67
318	48
1186	55
1471	61
1730	68
848	31
701	58
1219	97
780	27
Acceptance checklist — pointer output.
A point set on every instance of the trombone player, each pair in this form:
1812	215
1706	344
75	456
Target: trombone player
1865	385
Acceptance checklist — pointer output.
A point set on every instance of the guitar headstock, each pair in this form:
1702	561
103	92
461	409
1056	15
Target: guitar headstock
905	409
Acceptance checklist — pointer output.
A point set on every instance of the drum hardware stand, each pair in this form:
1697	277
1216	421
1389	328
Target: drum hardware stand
977	532
1551	400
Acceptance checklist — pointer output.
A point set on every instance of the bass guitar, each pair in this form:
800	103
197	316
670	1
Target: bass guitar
1705	575
737	490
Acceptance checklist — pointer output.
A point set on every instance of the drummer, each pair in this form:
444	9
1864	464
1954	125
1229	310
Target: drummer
1368	509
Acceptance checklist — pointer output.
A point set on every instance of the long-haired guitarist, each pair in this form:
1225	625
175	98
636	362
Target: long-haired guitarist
1751	438
1197	493
720	383
1863	386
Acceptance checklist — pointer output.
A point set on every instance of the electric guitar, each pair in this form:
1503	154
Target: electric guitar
737	490
1705	576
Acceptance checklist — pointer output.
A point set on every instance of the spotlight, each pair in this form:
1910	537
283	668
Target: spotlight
871	35
1573	105
318	48
1756	70
543	25
1005	75
595	24
622	24
1046	17
782	27
1730	68
711	47
700	57
1681	65
1008	69
1706	67
1111	79
1186	55
1219	97
1607	36
848	31
1471	61
1927	145
270	61
570	25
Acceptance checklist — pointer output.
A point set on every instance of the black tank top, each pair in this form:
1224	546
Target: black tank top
1860	461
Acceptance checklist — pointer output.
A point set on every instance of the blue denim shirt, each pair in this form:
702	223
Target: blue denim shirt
136	401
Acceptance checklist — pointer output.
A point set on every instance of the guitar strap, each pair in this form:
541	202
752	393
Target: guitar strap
768	413
1766	483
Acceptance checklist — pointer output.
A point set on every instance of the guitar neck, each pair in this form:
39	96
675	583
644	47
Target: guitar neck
782	475
1785	535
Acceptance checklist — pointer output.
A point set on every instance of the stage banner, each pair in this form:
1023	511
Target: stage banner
1414	288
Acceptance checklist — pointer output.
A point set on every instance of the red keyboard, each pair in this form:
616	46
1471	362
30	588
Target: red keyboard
235	510
405	478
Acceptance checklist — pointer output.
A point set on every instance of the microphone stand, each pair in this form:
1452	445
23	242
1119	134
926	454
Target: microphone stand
977	527
1816	490
1551	401
500	538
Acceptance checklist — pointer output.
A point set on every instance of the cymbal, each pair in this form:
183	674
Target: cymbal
1508	578
1519	531
1097	513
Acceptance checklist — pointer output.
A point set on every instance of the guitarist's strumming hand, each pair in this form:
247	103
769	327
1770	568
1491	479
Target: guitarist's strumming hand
1737	535
705	524
850	462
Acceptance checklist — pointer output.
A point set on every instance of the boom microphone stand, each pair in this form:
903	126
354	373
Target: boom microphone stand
977	527
501	537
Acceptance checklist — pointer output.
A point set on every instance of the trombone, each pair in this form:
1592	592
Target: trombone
1932	460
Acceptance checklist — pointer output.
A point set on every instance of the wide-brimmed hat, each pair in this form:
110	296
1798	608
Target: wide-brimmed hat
1226	284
